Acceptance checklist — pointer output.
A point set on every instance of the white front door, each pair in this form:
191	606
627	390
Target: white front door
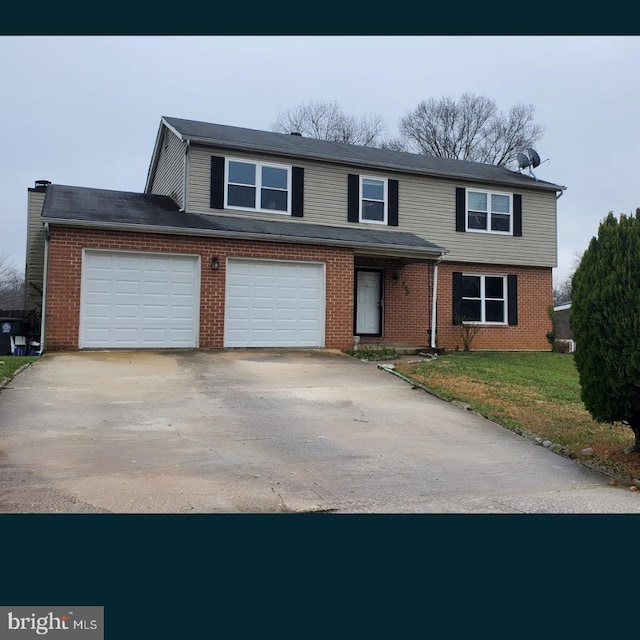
368	302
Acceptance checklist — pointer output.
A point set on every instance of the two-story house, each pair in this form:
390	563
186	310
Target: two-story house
246	238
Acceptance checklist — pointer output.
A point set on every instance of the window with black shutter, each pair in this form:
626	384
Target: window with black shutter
483	211
485	298
372	200
249	185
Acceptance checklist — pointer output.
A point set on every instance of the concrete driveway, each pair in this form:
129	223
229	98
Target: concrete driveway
264	431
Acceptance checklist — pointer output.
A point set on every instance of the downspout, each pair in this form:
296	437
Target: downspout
186	176
43	313
434	300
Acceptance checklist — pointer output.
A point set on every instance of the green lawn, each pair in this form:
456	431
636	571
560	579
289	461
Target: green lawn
10	364
534	392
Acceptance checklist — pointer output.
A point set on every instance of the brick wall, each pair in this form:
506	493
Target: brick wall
407	300
535	296
407	310
65	264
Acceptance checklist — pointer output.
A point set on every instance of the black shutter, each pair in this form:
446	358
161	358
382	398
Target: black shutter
512	294
517	214
461	209
457	297
217	182
392	193
353	198
297	192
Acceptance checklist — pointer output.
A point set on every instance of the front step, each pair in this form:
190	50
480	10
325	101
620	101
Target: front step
401	349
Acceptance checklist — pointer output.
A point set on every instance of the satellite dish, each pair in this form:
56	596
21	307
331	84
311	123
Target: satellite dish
534	157
531	159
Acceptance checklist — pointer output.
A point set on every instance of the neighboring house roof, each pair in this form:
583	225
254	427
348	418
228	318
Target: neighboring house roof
563	323
338	152
102	208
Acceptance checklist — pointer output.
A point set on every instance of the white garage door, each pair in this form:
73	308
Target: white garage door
138	300
274	304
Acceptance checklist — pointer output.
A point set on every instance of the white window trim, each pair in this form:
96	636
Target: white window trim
385	201
258	186
483	299
488	229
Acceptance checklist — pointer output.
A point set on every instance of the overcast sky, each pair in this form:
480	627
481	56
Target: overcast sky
84	111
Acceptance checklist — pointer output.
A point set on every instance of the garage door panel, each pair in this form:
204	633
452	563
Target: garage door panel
126	312
152	287
128	287
274	304
133	300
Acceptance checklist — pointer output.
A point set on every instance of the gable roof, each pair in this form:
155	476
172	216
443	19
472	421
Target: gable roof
280	144
150	213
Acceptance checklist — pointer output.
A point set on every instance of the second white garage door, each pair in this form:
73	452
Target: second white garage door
272	303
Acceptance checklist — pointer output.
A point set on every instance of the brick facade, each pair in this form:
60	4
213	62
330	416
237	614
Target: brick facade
407	291
407	300
535	296
65	265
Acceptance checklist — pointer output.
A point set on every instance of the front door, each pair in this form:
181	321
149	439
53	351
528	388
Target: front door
369	302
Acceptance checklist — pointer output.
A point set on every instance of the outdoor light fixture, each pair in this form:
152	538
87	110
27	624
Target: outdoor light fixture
215	263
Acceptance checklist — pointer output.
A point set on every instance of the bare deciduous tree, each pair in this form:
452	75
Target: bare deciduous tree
562	290
11	285
470	129
325	120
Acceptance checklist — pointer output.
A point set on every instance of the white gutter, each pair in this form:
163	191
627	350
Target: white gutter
43	313
434	300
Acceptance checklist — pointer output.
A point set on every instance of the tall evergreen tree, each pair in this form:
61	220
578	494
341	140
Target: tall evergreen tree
605	319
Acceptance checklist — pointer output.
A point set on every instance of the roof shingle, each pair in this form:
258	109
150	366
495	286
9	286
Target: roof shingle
86	207
339	152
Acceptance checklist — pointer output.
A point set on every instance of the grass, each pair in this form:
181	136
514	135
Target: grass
10	364
372	353
538	393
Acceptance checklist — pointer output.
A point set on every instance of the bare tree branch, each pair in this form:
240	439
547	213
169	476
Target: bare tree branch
325	120
470	129
11	285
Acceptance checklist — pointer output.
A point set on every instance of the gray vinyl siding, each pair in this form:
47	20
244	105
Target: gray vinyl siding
168	177
426	208
34	268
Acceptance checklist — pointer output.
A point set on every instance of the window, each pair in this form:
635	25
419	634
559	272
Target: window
373	200
488	211
258	186
484	299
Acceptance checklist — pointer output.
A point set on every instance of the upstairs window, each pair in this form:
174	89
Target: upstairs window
373	200
489	212
258	186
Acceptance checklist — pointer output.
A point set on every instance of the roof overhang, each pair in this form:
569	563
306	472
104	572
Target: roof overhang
360	248
347	155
